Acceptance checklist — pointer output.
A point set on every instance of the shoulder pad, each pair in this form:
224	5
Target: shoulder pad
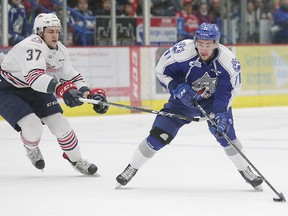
229	60
183	49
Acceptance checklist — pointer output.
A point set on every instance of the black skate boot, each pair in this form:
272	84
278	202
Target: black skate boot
82	166
252	179
125	176
35	157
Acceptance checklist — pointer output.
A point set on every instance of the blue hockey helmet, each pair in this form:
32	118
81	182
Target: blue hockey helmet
207	31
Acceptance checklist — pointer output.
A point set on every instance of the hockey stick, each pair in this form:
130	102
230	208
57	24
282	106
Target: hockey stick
142	109
280	195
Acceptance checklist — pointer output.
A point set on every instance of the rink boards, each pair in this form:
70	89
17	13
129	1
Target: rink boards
127	75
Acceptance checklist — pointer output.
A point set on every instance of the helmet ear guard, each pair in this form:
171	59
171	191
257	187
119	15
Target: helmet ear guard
45	20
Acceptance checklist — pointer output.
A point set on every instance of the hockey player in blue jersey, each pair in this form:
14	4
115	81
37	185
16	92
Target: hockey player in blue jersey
31	73
199	70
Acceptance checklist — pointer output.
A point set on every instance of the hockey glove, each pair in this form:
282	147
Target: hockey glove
98	95
69	93
186	94
223	122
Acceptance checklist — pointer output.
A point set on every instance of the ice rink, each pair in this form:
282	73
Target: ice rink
192	176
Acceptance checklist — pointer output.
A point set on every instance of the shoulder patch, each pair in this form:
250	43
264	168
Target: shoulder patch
37	40
236	65
179	47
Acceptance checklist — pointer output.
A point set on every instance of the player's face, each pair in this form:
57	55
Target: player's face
205	49
51	36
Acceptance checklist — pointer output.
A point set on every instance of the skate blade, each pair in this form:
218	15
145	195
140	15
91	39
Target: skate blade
96	174
118	185
258	188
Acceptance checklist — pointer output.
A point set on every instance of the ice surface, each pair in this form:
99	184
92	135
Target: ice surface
191	176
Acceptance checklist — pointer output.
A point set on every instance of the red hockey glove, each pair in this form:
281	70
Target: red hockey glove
98	95
69	93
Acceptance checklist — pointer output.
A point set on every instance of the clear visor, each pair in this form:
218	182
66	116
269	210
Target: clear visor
205	44
53	29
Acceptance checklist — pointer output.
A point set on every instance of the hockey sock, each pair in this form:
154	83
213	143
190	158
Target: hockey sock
28	143
240	163
69	145
31	130
67	139
235	157
142	154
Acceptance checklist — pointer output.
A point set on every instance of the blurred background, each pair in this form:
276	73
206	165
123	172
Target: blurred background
93	22
116	44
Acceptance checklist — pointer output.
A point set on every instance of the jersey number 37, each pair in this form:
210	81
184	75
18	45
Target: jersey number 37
33	54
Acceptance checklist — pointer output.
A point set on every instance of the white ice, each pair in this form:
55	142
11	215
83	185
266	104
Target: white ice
191	176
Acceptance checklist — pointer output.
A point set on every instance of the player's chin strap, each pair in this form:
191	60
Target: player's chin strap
142	109
212	121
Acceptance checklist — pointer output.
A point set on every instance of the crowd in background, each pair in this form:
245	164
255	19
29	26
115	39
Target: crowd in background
82	15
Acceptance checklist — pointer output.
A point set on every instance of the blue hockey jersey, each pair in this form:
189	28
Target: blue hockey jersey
218	80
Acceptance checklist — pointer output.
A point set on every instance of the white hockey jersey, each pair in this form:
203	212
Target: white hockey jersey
31	63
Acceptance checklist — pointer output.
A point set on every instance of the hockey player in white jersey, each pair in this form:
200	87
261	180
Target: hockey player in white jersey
31	72
199	70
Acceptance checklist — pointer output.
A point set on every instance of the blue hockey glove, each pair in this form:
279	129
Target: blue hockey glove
69	93
223	121
186	94
99	95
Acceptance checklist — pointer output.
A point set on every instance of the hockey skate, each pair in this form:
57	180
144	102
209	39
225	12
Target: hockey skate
125	176
82	166
252	179
35	157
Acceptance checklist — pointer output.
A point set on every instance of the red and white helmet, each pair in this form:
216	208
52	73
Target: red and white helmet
45	20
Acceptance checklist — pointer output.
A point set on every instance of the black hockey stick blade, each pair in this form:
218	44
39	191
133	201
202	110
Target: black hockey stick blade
142	109
280	199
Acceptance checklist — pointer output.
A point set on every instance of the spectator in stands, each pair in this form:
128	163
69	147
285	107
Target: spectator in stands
94	4
126	9
105	8
50	5
28	7
16	20
30	15
280	28
135	5
262	12
214	10
191	21
139	8
196	4
252	36
165	7
60	15
36	7
0	28
202	14
83	23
